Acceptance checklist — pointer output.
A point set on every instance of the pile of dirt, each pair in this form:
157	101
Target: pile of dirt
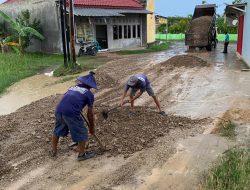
185	61
25	135
126	133
104	80
200	25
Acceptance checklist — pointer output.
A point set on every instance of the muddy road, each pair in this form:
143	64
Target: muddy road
147	150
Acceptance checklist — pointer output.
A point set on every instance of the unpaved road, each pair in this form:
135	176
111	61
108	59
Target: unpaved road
150	152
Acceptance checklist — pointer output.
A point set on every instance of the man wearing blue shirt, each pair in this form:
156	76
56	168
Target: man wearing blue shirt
139	84
226	42
68	115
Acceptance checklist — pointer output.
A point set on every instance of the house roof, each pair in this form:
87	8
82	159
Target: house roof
120	4
9	1
98	12
235	10
105	4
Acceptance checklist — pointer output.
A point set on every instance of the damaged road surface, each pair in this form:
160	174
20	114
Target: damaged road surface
146	149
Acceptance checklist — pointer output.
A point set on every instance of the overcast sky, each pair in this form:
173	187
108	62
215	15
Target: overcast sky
182	7
185	7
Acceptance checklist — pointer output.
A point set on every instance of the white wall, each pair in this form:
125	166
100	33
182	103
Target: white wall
246	36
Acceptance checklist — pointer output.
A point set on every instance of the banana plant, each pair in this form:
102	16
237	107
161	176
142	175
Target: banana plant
21	32
8	42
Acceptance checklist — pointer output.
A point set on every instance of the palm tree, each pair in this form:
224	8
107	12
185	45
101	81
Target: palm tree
21	31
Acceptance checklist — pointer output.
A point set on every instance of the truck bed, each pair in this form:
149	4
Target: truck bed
198	31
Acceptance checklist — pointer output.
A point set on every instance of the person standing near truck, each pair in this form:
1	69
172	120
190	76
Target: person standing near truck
226	42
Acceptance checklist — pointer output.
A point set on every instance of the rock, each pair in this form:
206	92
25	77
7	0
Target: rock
142	140
139	147
33	132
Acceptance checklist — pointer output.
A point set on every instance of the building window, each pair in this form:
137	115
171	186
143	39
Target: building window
138	31
125	31
134	31
115	32
120	32
129	31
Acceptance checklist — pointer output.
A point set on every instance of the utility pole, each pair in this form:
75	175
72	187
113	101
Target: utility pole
72	32
63	32
67	29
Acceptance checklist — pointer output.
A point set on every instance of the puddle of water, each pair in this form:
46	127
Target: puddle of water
49	74
29	90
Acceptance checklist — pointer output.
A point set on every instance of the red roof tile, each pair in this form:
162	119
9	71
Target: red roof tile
10	1
125	4
116	4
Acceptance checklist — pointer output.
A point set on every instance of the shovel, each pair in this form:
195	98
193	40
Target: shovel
95	136
105	113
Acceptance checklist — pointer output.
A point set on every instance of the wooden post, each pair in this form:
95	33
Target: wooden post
72	32
67	29
63	33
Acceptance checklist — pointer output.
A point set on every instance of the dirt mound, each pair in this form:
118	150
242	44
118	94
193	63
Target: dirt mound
104	80
126	133
200	25
185	61
25	134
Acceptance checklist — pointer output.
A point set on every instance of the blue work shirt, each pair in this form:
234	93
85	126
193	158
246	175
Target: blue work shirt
227	38
74	100
142	83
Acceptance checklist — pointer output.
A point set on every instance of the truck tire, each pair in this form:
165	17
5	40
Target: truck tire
209	47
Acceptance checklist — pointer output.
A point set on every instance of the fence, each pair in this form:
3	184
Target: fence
221	37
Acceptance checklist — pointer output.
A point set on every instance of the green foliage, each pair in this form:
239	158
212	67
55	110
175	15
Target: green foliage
228	130
161	29
180	26
22	34
63	71
222	26
24	18
86	63
150	49
14	68
232	172
204	2
1	31
176	19
238	1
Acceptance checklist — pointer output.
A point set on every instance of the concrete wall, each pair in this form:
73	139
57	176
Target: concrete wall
47	12
246	37
151	26
130	19
124	43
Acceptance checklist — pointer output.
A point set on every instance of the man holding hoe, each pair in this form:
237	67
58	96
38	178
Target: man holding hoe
68	115
138	85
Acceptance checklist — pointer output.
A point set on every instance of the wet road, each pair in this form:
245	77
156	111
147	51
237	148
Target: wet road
210	92
203	94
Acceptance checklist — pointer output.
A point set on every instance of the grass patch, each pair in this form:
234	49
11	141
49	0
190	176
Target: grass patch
228	130
14	68
86	63
150	49
231	173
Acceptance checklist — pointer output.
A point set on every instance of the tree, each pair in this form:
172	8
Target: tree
25	20
223	27
21	32
178	25
161	29
237	1
204	2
